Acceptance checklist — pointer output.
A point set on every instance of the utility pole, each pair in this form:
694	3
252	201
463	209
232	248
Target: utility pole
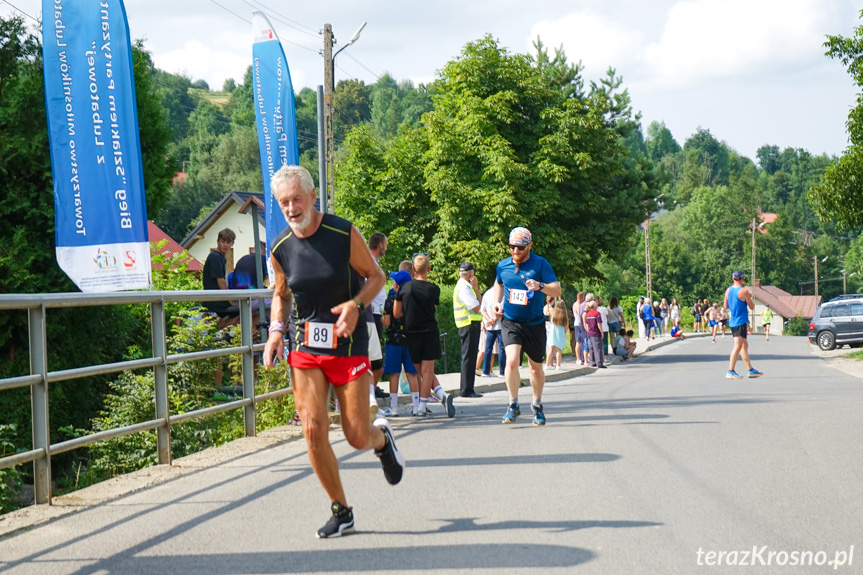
816	275
647	259
752	280
329	88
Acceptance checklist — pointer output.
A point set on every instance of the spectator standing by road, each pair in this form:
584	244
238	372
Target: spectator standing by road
417	301
577	330
559	327
378	247
593	325
647	317
215	273
468	320
674	310
738	300
397	357
603	311
615	318
639	316
664	315
493	334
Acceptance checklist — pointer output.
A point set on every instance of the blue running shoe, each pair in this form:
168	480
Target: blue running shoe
733	375
755	373
538	415
511	413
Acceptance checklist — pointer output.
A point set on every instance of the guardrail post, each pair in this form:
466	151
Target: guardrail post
160	375
248	364
39	403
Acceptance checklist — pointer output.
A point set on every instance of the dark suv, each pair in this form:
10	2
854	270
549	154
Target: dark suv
838	321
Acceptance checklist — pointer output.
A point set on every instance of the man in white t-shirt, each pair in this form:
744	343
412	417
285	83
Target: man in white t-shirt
492	333
603	311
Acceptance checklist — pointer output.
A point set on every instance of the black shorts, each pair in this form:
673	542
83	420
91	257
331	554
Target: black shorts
740	330
423	347
531	338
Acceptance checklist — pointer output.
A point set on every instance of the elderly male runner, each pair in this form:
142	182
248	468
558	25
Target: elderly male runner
738	301
520	279
319	263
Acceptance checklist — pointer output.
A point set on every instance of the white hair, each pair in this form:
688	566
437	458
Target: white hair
290	174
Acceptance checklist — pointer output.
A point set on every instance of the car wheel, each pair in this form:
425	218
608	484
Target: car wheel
826	341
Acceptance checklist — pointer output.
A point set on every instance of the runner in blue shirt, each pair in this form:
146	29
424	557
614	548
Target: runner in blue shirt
737	300
520	279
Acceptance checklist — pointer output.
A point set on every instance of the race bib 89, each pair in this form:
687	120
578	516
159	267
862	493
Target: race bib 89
320	335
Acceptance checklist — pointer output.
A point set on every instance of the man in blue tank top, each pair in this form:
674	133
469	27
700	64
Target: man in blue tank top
738	302
319	262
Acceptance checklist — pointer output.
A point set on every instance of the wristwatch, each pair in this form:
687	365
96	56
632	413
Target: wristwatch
541	286
360	305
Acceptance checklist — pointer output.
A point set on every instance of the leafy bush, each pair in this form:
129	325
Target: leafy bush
10	481
796	326
191	386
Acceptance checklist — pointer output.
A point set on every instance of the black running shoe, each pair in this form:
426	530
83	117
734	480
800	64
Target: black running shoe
341	523
391	459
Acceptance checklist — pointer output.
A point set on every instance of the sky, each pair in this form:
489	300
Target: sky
753	72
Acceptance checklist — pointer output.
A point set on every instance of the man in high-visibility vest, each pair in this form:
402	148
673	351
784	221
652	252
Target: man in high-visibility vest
468	320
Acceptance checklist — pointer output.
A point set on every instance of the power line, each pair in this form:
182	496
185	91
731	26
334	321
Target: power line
369	70
316	32
19	10
229	10
314	35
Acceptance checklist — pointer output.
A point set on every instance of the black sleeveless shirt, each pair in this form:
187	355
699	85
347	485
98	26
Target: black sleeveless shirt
319	274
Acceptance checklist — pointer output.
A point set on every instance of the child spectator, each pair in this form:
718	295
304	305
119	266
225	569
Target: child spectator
593	321
559	327
677	332
623	344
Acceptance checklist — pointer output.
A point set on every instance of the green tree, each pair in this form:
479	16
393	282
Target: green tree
351	105
660	142
840	196
505	147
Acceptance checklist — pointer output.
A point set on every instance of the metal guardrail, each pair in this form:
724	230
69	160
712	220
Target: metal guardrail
39	378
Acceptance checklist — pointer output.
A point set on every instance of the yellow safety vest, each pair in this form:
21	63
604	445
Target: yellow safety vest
463	316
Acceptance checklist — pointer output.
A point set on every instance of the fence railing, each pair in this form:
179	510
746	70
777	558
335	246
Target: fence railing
39	378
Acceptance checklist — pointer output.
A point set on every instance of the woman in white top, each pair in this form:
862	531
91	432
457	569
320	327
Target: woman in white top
675	312
664	314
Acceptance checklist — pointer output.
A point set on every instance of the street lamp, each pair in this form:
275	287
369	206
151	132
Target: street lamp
816	271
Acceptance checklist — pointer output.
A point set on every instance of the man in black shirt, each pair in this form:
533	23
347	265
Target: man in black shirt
215	273
319	262
416	301
397	355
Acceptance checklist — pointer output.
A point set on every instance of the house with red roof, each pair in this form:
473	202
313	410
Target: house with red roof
171	247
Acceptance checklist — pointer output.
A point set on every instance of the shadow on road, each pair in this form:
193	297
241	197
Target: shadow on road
470	524
340	560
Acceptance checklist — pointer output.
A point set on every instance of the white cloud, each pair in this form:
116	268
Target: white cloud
590	37
732	38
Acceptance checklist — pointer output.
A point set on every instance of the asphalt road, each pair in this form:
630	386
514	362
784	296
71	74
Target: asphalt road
640	467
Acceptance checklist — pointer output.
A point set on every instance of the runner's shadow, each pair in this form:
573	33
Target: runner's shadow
470	524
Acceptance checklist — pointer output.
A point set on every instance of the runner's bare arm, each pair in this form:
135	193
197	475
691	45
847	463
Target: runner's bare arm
745	295
553	289
365	265
279	307
498	297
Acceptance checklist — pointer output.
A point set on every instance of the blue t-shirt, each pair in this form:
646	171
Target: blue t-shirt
516	305
739	310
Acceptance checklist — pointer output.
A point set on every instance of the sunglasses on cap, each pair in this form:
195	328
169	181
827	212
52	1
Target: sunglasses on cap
519	248
419	254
